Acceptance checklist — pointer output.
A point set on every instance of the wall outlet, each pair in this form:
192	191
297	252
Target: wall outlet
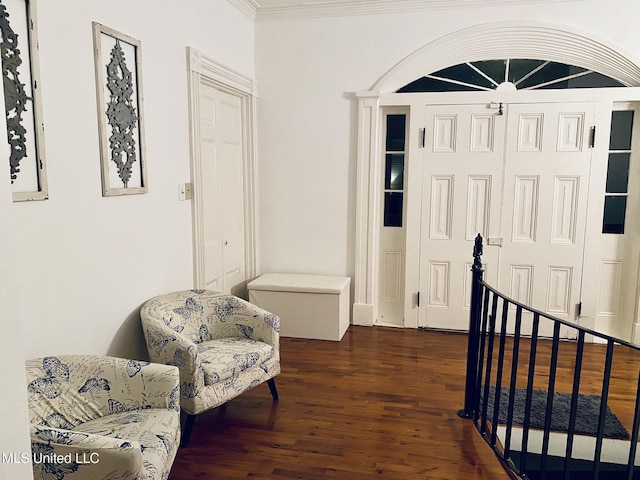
185	191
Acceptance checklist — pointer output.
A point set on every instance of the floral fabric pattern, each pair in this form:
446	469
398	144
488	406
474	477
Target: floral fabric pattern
223	345
95	417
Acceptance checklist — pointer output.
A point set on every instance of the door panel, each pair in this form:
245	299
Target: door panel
611	273
222	170
546	181
519	179
461	198
391	274
212	232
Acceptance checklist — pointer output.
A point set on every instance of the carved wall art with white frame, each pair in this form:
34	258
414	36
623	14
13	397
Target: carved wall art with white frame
120	113
22	101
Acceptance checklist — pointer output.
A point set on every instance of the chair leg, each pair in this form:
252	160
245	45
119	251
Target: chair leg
272	388
186	431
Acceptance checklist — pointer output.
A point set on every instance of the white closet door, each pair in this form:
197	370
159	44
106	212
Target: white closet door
222	185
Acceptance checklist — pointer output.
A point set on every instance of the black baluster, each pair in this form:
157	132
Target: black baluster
471	388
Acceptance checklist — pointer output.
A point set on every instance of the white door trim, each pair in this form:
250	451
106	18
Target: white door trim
511	39
204	70
507	39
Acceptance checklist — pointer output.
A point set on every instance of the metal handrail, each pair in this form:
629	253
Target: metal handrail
488	370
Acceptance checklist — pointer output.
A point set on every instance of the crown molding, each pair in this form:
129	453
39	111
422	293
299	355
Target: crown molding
248	7
286	9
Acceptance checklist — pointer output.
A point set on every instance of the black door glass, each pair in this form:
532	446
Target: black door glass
614	213
394	171
393	209
426	84
493	68
550	72
464	73
524	73
519	68
621	124
618	173
589	80
395	133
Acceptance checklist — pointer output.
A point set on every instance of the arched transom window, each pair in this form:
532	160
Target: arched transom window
509	74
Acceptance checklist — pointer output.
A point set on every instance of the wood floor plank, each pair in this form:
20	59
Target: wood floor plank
382	403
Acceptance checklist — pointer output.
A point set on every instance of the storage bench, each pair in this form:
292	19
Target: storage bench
309	306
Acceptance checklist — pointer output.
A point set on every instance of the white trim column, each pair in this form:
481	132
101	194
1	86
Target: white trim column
367	221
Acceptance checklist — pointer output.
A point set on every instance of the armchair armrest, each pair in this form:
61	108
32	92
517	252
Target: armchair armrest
235	317
138	383
56	452
77	388
158	385
169	347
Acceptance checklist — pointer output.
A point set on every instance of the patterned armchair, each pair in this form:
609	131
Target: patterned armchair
222	345
96	417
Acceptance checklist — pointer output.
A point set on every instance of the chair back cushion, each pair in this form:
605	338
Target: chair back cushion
68	390
198	315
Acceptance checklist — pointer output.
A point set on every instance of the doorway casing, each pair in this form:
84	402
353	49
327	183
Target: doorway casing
203	70
487	41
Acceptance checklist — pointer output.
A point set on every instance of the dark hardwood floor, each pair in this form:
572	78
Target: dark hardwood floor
382	403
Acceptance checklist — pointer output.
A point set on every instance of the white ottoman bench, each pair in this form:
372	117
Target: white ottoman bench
309	306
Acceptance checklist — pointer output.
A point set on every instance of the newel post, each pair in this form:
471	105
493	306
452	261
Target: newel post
471	390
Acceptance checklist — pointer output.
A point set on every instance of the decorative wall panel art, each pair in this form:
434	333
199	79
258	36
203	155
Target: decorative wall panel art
120	119
22	104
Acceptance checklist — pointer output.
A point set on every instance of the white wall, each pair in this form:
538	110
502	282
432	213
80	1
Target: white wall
83	264
77	267
14	435
308	71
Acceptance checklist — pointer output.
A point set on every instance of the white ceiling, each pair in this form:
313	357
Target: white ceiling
281	9
289	4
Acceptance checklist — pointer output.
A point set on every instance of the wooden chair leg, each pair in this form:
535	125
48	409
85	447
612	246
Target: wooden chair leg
272	388
186	431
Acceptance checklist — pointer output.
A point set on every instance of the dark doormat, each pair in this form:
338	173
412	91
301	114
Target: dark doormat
587	417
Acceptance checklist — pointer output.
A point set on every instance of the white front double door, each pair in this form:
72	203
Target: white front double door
519	176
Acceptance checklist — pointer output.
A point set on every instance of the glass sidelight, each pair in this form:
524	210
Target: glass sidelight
395	154
617	185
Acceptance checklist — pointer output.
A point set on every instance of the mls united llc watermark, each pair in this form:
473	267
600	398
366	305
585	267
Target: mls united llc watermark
80	458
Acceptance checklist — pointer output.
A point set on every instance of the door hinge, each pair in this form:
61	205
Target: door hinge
592	137
578	309
424	137
417	299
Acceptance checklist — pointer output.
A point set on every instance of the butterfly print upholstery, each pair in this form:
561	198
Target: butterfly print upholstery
93	384
190	306
224	346
84	405
51	383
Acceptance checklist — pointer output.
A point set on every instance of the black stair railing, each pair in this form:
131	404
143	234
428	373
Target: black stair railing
518	360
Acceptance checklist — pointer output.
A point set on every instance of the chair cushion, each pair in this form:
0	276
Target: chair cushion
220	358
155	429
